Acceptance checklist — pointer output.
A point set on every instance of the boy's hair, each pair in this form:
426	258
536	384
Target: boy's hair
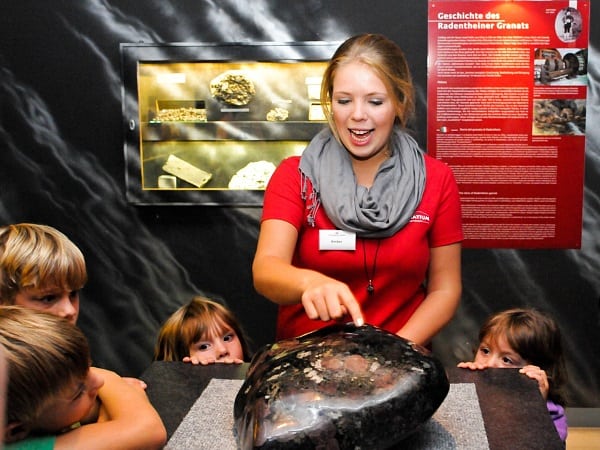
44	354
536	337
190	323
33	256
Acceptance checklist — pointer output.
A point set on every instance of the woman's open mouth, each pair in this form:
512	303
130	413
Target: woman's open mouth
360	137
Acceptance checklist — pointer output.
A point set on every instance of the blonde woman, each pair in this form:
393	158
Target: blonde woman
364	226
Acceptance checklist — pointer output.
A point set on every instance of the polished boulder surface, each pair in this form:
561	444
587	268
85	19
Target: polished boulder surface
341	387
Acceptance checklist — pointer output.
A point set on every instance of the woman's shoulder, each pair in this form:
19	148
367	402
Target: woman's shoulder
285	173
434	163
290	162
437	170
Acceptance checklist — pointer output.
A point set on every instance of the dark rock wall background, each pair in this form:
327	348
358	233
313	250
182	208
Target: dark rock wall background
61	163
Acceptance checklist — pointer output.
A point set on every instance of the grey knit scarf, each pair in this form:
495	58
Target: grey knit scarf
377	212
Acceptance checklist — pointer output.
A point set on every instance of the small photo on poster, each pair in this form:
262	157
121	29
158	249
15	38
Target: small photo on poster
559	117
561	66
568	24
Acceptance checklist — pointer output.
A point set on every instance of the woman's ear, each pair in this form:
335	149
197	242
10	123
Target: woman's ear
15	431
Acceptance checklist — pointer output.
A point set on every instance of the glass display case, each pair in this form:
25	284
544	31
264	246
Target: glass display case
208	123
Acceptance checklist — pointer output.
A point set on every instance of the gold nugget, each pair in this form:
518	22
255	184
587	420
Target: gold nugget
232	87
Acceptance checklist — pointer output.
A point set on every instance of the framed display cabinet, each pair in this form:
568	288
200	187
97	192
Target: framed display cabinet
208	123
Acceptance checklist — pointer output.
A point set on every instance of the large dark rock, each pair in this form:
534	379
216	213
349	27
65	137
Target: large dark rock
341	387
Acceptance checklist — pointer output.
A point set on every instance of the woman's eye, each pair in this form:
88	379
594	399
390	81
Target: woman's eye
342	101
377	102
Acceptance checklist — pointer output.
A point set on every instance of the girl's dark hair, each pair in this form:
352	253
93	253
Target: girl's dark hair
536	337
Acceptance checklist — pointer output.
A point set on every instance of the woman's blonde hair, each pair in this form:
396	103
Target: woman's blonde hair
193	322
387	60
45	354
34	256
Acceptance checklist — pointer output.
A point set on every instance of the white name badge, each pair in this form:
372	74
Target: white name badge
336	240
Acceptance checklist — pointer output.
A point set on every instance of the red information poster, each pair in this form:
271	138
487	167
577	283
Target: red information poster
507	86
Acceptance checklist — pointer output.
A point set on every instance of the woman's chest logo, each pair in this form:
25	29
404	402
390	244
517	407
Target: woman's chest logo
420	217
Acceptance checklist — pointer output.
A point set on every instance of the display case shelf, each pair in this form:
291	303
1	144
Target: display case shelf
223	131
199	118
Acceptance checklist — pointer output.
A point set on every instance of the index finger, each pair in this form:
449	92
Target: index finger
353	308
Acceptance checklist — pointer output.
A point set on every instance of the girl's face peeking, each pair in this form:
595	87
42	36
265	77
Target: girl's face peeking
217	345
496	353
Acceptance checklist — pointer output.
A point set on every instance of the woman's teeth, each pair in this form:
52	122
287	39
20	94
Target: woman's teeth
360	135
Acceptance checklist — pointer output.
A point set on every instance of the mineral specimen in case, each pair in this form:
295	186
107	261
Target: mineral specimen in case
341	387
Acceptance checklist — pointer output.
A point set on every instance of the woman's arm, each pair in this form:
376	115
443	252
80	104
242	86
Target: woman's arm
277	279
127	420
444	287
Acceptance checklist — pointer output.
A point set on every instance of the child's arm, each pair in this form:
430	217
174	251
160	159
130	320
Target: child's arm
136	382
535	373
127	420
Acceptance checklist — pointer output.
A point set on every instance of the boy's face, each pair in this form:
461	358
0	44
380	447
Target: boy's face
76	404
496	353
52	300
